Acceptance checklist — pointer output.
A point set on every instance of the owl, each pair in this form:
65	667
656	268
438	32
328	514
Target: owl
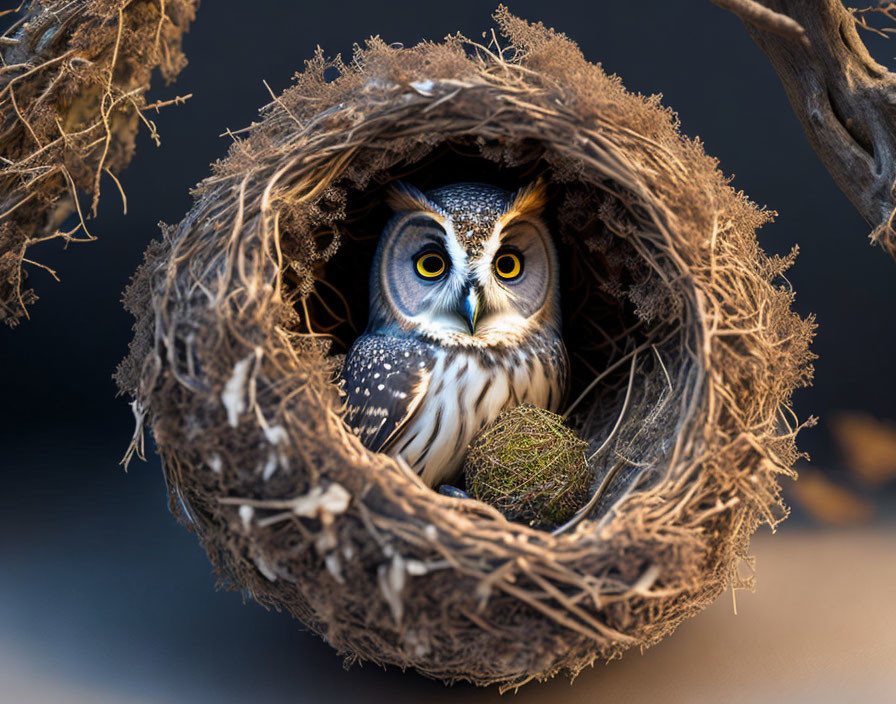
464	323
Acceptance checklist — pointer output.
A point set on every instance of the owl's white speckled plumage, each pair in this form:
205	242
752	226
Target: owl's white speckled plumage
464	323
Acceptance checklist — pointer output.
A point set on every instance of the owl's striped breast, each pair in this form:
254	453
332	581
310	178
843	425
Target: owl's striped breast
467	390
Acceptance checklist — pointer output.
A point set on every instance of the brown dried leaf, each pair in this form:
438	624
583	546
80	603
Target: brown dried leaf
830	503
868	445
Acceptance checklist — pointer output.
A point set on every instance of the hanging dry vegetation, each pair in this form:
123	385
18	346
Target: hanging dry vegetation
73	79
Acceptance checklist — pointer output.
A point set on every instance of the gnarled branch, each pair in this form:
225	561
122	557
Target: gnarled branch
844	99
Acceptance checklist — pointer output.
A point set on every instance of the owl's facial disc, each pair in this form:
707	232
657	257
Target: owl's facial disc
499	289
443	278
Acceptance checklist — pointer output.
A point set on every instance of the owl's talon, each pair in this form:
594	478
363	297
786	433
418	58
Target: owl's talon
453	492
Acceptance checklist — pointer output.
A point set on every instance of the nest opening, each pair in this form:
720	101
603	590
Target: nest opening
610	318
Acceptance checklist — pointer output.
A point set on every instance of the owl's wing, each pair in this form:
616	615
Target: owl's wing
385	379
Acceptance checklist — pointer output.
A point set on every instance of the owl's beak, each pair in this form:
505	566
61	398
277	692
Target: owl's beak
469	307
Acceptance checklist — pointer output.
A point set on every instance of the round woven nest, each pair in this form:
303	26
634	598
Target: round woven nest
684	350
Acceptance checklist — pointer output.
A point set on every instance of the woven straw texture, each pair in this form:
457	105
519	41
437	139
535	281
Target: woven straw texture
684	347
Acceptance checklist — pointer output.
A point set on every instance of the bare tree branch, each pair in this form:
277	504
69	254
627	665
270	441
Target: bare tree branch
844	99
759	15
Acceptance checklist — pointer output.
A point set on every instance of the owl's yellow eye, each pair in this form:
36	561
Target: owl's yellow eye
508	265
430	265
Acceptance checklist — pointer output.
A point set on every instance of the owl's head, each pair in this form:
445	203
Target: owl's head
467	264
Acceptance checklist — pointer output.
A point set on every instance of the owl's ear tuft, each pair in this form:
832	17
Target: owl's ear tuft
403	197
529	200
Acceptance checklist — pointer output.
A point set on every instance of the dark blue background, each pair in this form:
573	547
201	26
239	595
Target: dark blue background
97	578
